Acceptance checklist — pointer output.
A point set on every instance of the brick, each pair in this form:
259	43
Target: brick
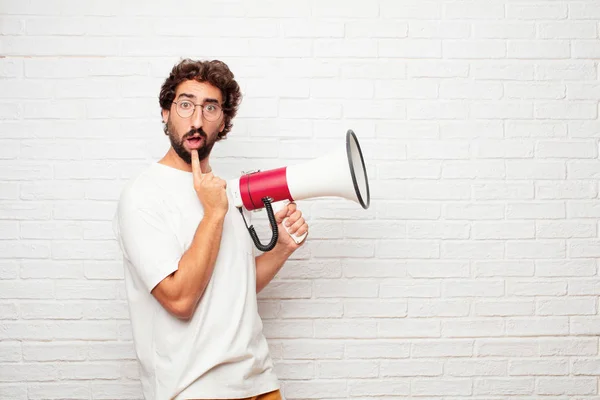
544	326
559	229
474	49
565	70
442	348
534	129
525	91
316	390
437	29
521	169
377	349
584	326
110	390
538	367
413	328
541	249
437	387
471	328
503	30
568	386
409	48
466	368
295	370
380	28
347	328
504	386
535	210
287	290
505	268
586	367
299	27
427	10
507	347
303	349
503	230
537	49
535	11
566	110
502	308
412	368
567	30
347	369
346	288
578	306
570	346
558	268
538	288
393	289
370	387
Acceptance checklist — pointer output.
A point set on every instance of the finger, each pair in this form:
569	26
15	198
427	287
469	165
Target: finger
296	225
295	216
302	230
291	208
281	215
196	169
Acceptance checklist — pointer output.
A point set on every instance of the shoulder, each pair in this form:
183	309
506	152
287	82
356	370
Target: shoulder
142	191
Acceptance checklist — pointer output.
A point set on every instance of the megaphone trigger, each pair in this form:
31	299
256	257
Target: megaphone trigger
280	205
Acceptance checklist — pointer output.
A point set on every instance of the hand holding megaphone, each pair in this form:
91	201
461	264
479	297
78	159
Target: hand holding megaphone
277	207
341	173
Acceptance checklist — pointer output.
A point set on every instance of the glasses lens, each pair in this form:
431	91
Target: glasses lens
211	112
185	109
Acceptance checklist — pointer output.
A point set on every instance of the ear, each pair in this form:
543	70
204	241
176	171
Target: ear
165	115
222	126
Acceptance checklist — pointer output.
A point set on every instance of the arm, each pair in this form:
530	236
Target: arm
268	264
181	291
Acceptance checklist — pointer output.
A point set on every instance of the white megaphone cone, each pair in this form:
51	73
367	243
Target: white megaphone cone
341	173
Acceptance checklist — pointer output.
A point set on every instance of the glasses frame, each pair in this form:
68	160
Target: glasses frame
201	107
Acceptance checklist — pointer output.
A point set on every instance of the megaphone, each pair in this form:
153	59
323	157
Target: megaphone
341	173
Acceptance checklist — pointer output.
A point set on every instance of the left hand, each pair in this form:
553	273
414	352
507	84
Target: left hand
296	225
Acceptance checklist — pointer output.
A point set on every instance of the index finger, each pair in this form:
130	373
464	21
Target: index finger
196	169
291	208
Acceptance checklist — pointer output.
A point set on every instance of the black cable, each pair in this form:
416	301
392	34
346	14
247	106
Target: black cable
272	221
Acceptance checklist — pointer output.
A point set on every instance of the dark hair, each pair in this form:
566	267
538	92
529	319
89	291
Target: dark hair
215	72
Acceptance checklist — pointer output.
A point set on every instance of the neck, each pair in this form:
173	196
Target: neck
171	159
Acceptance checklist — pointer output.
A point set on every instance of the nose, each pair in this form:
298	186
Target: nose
196	119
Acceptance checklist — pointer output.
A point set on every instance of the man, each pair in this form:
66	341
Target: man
190	272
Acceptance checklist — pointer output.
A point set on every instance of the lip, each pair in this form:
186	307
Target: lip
196	144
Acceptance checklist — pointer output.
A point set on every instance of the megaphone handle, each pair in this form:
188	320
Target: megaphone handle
278	207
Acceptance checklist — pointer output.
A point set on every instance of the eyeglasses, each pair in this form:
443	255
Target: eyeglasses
211	112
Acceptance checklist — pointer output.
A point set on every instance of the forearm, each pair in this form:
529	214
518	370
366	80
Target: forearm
268	265
197	263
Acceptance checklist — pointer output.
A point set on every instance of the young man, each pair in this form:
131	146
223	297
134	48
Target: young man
190	272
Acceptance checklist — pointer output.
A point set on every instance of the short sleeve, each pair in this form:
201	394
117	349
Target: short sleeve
148	242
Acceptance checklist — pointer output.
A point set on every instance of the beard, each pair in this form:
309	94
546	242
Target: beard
182	152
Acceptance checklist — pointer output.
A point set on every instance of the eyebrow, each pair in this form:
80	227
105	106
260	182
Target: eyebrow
191	96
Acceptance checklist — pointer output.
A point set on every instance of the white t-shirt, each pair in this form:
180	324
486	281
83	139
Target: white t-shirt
221	351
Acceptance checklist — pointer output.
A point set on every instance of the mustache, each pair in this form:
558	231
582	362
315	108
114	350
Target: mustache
193	132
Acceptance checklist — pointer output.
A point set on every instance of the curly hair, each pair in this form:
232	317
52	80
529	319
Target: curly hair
215	72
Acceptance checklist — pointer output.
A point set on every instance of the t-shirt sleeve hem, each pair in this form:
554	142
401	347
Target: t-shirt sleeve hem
153	279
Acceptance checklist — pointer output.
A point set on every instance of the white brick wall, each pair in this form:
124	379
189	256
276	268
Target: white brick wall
473	275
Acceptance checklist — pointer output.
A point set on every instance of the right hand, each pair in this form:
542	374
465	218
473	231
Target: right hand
211	190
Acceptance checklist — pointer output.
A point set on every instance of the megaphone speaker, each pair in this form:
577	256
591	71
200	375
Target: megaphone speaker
340	173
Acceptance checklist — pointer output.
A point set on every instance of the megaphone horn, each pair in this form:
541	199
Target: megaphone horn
341	173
